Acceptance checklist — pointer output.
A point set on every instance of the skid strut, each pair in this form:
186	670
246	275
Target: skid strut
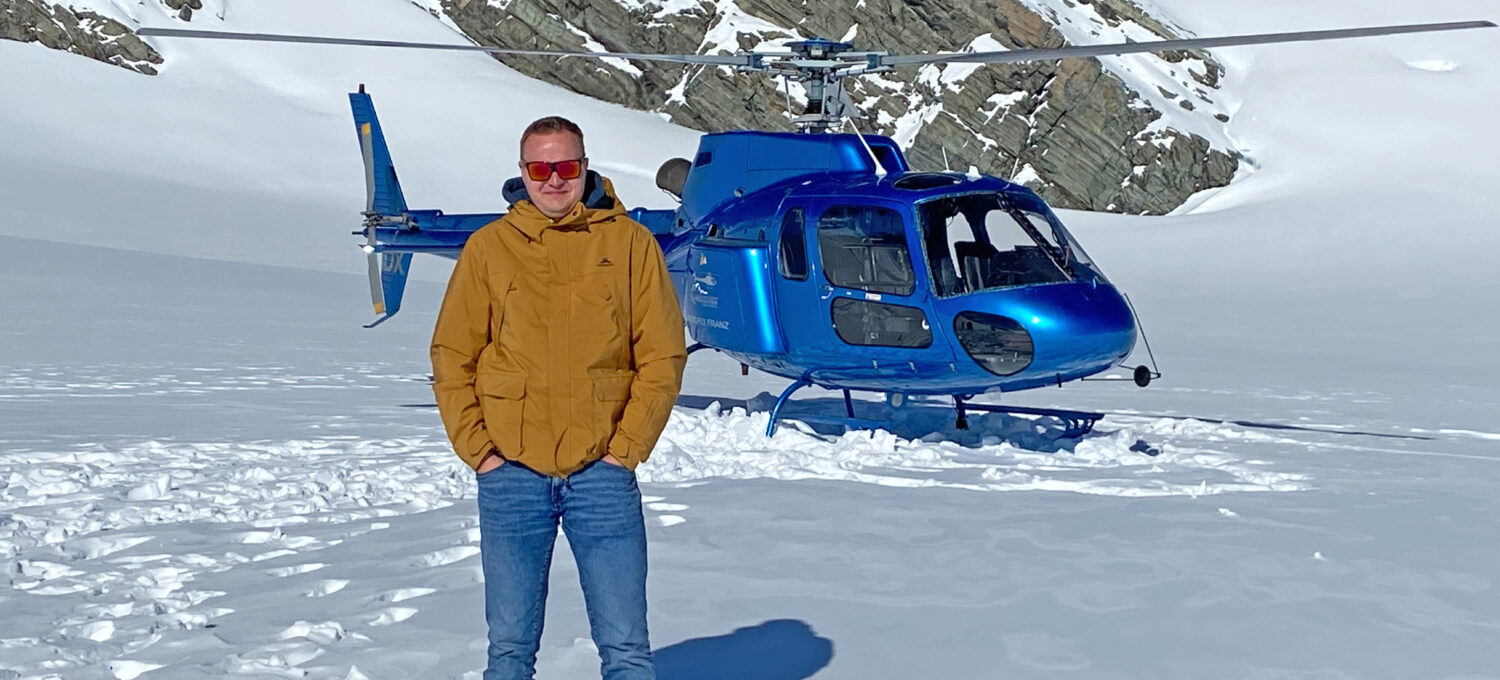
780	402
847	420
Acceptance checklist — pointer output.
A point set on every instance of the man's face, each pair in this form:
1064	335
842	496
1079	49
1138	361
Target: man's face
553	196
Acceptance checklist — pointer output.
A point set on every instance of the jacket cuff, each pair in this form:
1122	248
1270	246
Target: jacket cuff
484	452
624	449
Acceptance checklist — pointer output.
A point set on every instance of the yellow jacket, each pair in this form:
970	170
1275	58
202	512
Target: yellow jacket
559	340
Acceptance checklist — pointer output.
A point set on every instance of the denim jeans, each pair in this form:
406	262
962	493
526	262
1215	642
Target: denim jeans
599	508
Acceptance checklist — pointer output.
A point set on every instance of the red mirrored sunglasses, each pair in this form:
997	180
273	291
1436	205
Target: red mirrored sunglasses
541	171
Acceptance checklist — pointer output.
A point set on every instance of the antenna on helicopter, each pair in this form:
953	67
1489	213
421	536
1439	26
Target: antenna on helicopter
879	169
786	88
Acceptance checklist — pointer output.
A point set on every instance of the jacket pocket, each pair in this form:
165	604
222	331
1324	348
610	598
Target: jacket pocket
502	400
598	312
611	393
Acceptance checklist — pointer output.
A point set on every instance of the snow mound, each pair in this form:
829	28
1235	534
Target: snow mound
998	453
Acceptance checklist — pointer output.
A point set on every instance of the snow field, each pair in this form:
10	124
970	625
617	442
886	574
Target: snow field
207	468
132	552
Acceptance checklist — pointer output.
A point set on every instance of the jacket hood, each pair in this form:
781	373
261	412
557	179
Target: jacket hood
599	204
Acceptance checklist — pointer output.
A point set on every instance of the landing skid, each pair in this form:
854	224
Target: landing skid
1076	423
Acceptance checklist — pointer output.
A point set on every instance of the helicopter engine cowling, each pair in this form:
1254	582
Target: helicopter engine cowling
728	303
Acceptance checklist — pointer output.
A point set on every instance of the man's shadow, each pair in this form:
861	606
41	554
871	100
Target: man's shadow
784	649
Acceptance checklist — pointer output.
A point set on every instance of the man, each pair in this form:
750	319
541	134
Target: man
557	357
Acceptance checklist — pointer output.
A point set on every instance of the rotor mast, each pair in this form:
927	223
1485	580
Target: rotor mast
820	66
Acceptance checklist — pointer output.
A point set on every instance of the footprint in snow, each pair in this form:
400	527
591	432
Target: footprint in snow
393	615
446	556
403	594
326	587
283	572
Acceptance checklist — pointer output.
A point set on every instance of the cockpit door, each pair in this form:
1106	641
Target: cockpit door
796	292
874	300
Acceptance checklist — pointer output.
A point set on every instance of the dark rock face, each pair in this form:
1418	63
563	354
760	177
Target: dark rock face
184	7
1071	130
84	33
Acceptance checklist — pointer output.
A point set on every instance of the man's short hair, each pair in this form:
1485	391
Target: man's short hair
549	125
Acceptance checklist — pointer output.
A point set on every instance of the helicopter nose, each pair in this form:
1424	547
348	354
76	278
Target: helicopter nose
1054	331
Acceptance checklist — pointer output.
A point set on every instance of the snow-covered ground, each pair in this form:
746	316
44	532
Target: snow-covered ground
207	468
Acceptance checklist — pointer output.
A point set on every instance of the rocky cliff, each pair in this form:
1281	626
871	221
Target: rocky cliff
1077	132
80	32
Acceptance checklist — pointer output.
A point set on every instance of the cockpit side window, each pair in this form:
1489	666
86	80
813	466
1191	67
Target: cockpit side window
983	241
792	246
864	247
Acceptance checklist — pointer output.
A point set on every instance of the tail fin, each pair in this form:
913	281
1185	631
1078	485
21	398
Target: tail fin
382	189
383	200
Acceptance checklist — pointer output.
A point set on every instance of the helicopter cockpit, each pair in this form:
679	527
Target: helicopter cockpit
990	240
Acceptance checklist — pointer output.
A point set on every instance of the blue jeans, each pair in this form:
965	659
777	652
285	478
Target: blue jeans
599	508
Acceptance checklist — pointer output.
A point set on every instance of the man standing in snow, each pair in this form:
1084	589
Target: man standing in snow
557	357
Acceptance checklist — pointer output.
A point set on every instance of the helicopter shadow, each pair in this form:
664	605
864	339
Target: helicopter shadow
928	421
780	649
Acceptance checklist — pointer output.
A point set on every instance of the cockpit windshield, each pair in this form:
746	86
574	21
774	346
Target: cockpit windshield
985	241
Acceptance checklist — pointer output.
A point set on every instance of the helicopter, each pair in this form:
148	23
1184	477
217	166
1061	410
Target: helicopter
822	256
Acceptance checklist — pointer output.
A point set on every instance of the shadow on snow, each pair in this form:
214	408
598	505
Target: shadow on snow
924	421
783	649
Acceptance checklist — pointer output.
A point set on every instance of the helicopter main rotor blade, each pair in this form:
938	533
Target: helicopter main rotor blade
1020	56
707	59
787	64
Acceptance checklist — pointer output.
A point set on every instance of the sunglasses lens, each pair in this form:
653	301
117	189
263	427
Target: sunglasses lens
541	171
569	169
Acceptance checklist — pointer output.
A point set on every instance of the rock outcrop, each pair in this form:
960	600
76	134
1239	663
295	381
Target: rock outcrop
81	32
1072	130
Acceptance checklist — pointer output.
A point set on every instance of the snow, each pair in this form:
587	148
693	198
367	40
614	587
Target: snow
727	23
664	7
592	45
1026	175
1149	75
730	21
207	468
911	122
954	74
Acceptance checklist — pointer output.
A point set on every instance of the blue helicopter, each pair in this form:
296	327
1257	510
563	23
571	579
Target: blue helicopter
821	256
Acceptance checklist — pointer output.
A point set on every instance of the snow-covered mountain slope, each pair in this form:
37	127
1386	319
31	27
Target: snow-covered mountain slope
246	152
208	469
